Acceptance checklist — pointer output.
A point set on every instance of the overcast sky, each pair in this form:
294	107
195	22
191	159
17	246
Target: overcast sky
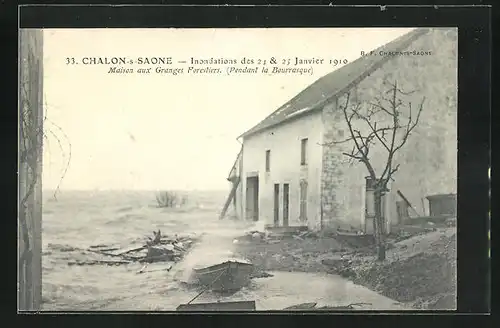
156	131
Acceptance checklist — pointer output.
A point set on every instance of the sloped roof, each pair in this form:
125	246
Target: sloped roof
334	83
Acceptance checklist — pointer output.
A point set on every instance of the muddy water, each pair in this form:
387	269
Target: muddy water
290	288
123	288
80	220
157	291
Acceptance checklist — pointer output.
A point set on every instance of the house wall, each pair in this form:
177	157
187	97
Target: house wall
428	161
30	169
284	141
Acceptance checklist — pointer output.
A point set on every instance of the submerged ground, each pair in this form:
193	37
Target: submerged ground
419	271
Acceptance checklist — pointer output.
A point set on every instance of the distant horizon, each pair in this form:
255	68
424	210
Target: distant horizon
153	190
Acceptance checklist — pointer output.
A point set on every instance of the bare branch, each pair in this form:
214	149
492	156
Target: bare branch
348	121
378	133
359	158
411	125
381	107
395	122
394	86
331	143
394	170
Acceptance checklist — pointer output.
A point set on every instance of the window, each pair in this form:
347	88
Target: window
303	151
303	201
268	160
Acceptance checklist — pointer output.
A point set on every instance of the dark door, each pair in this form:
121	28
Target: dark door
276	205
256	199
286	201
252	198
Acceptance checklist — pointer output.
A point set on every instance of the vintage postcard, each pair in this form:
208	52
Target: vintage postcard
304	169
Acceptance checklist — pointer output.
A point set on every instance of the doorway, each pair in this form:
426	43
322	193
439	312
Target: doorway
252	198
286	202
303	201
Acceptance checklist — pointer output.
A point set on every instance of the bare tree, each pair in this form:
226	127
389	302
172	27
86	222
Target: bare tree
388	121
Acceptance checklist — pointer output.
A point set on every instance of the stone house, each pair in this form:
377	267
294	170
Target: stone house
289	173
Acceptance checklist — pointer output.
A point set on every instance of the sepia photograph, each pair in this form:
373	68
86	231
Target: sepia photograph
237	169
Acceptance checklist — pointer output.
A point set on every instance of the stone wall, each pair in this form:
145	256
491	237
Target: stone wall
428	162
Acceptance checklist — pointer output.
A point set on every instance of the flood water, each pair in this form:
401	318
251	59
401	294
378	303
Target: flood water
81	219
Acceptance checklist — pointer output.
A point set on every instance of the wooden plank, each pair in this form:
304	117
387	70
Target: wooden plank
302	306
407	202
219	306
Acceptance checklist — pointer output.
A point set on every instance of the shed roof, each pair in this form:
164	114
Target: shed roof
334	83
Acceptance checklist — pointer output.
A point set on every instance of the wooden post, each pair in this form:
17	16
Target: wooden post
403	214
30	169
232	195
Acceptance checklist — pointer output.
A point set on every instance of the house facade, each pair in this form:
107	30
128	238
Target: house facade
292	172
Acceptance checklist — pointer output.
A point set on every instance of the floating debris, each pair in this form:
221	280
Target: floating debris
157	249
94	262
313	307
143	269
302	306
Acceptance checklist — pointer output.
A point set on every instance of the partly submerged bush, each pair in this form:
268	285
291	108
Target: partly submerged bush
170	199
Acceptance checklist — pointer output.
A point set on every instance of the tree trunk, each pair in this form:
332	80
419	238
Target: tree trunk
379	226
